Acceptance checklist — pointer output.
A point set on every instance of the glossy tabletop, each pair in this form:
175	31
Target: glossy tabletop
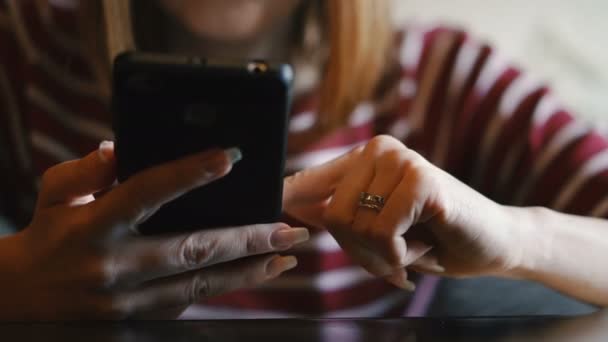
583	328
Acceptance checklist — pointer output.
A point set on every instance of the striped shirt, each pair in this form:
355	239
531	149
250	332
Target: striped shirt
460	104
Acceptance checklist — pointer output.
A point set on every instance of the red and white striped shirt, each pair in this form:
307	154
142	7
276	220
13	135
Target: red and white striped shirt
461	105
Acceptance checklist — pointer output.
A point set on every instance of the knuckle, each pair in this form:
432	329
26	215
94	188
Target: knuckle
381	142
254	275
109	275
425	180
421	181
415	174
359	150
102	273
50	176
374	145
197	289
391	160
194	250
414	160
47	177
253	242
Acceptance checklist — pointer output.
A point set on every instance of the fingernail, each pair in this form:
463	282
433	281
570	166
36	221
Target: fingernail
428	263
287	237
214	163
234	154
407	285
106	151
280	264
433	268
400	280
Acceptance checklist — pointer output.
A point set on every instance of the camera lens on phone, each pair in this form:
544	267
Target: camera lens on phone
257	67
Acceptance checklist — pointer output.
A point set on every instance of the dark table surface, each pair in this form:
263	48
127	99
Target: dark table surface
583	328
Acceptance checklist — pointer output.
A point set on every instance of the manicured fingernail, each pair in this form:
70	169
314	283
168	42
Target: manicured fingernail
234	154
400	280
106	151
433	268
428	263
214	163
280	264
407	285
287	237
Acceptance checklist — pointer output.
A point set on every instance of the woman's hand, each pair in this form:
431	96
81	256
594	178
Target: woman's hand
430	221
79	258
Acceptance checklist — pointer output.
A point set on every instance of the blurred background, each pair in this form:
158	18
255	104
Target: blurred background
562	42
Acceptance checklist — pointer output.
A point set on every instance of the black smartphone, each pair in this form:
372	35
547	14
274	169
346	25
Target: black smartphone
167	107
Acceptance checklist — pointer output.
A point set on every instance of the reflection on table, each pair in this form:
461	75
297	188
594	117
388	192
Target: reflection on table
584	328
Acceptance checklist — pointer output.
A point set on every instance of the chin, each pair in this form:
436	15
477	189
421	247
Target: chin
223	20
227	32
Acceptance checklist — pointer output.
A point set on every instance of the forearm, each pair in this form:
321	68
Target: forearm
565	252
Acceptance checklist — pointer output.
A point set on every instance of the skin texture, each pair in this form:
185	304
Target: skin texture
235	29
79	258
235	21
434	223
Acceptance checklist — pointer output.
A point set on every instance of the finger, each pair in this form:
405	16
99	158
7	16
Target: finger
400	279
345	201
388	174
342	207
428	263
317	183
144	193
75	181
374	260
404	208
153	257
310	215
417	256
363	255
195	286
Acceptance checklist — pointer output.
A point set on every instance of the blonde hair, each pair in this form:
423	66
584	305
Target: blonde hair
355	36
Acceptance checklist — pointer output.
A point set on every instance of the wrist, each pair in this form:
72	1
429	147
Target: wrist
530	242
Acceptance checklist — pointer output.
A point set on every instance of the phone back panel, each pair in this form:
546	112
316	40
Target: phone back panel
170	107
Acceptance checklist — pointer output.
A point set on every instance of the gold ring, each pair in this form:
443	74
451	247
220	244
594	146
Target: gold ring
367	200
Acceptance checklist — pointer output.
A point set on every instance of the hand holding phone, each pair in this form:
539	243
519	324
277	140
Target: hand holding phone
80	260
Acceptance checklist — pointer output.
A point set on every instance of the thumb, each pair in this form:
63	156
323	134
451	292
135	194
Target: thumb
72	180
317	183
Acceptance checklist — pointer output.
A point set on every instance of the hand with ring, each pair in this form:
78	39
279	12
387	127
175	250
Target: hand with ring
391	210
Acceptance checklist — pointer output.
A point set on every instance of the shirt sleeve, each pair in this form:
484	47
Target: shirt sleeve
470	111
